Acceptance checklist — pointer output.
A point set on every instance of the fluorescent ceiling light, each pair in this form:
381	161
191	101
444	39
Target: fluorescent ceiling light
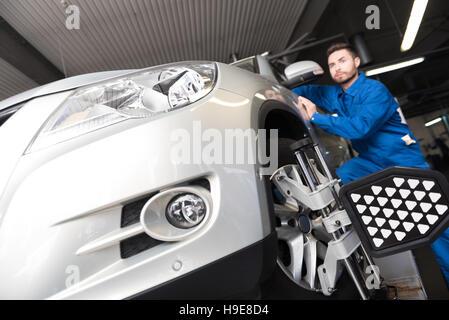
395	66
418	9
431	123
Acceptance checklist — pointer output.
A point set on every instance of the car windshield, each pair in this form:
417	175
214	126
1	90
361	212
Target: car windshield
248	64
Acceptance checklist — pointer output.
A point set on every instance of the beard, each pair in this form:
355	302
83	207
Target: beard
349	79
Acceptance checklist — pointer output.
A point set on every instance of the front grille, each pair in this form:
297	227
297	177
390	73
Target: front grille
132	246
131	215
131	211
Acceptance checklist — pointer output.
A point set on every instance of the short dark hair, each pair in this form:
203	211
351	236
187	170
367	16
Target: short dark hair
340	46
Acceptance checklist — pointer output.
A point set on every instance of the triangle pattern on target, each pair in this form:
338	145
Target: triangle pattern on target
368	199
400	235
434	196
390	191
361	208
428	185
431	218
385	233
396	203
408	226
388	212
417	216
441	209
372	231
413	183
398	211
404	193
423	228
355	197
394	224
382	201
402	214
419	195
376	190
425	206
380	221
378	242
374	210
367	220
411	204
398	182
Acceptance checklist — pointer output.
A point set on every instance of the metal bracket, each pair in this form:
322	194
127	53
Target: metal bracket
291	186
337	250
336	221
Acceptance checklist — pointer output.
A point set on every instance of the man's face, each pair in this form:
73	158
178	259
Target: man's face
343	66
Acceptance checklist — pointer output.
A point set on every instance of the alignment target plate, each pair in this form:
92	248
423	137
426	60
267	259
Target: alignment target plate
398	209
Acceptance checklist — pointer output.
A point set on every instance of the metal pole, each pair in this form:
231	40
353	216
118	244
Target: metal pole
329	176
445	119
305	171
355	277
313	172
394	19
323	163
313	44
303	37
349	262
370	263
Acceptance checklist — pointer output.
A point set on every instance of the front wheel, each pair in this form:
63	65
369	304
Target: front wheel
301	235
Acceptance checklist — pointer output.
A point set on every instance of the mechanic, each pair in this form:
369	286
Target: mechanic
364	111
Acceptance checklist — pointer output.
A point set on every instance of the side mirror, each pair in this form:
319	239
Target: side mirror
300	73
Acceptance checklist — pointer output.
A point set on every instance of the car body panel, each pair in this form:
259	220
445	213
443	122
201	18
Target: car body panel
76	190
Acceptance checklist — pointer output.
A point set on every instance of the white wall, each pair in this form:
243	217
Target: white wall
424	134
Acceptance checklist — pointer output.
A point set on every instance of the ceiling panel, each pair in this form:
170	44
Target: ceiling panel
12	81
116	34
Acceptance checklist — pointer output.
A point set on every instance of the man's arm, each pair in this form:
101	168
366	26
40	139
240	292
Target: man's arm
377	109
318	94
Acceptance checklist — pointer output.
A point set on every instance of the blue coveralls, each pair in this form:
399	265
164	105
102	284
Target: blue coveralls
368	115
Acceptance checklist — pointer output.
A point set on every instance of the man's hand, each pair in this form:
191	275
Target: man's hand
309	106
302	109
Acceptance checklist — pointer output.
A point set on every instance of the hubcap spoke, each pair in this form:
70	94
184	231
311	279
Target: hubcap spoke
284	214
310	259
295	243
302	248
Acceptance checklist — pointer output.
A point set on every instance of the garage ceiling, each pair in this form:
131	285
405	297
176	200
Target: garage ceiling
117	34
13	81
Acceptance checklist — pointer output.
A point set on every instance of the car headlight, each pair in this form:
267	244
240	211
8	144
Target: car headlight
139	95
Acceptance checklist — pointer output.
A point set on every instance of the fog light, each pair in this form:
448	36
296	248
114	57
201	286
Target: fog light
186	211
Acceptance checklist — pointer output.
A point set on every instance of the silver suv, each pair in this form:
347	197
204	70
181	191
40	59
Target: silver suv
132	184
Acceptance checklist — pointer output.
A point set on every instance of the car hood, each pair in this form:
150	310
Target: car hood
62	85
